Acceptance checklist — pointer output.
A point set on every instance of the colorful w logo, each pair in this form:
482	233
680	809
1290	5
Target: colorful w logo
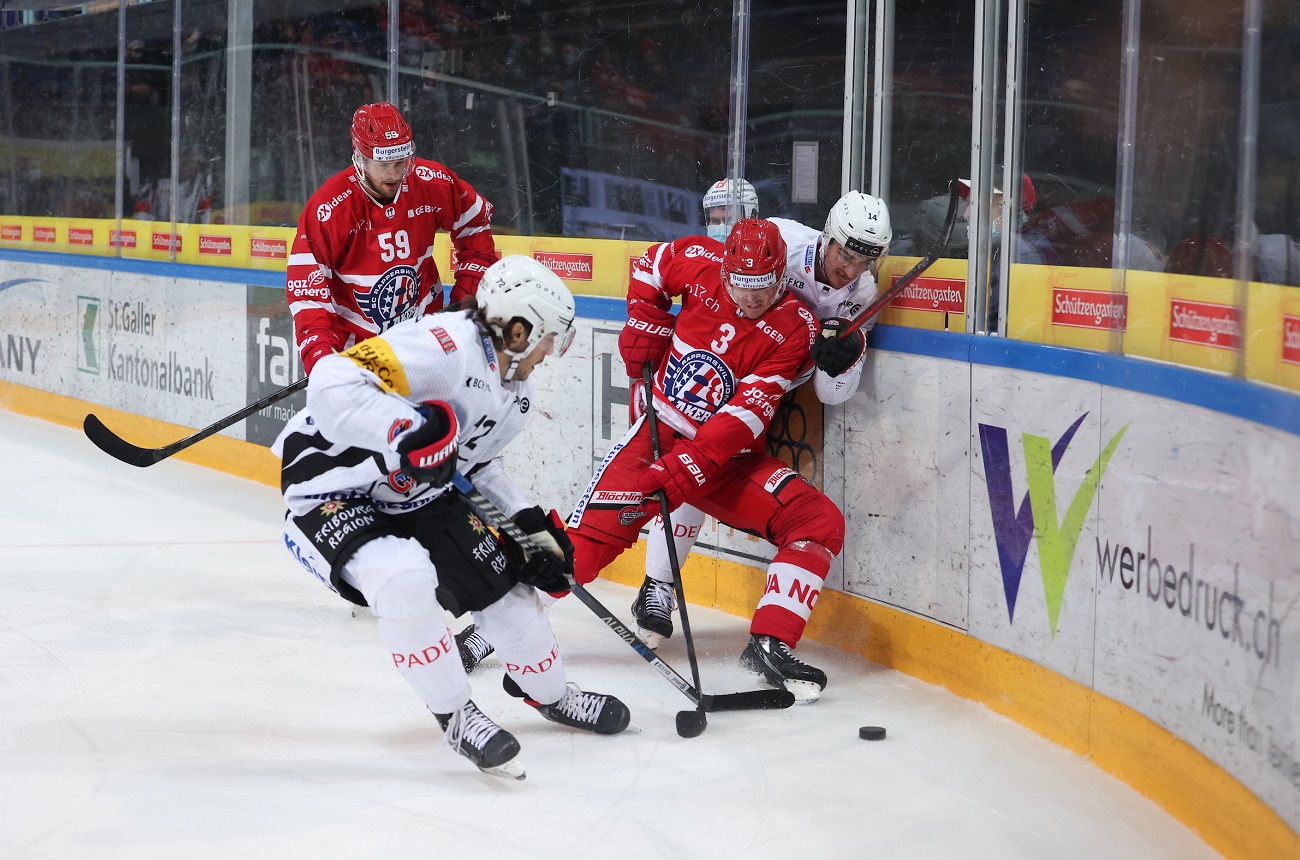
1036	516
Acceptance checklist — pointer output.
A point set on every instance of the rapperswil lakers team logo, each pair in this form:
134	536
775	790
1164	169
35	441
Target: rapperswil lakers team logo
391	299
697	383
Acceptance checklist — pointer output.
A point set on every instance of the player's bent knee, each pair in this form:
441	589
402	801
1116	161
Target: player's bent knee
808	516
396	577
591	556
407	595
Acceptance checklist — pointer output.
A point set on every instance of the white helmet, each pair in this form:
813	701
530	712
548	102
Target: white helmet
519	287
860	223
720	194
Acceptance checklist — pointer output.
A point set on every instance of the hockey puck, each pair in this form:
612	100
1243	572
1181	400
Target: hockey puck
871	733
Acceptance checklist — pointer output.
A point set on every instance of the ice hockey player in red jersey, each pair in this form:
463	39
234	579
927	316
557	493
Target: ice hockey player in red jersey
721	367
366	476
362	260
833	272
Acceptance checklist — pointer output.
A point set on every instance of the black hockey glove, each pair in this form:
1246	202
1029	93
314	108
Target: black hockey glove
834	354
547	531
428	453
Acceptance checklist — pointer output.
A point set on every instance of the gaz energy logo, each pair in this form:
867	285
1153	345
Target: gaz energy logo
1037	515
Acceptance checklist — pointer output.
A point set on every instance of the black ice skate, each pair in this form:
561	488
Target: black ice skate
474	649
653	611
773	659
592	712
491	748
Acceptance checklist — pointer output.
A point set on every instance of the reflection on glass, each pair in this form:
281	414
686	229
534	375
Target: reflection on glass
930	102
1189	101
59	100
1276	230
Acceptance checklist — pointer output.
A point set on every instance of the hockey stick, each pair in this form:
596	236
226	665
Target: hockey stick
689	724
749	700
115	446
913	273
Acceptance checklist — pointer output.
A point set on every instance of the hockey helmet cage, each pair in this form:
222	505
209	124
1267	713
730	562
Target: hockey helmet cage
860	223
519	287
754	258
719	194
381	133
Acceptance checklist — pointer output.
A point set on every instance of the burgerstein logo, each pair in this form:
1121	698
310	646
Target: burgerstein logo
1037	514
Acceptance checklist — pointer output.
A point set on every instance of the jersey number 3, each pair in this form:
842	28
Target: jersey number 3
393	245
726	332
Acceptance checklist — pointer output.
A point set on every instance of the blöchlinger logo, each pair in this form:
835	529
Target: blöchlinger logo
1036	515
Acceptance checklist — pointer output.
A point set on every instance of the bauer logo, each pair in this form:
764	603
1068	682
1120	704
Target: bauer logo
1090	309
940	295
1291	339
88	343
1037	515
218	246
11	232
574	267
1205	323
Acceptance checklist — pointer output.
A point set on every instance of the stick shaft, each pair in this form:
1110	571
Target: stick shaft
115	446
647	373
913	273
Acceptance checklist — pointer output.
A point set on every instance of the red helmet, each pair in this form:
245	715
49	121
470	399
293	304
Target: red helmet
755	255
381	133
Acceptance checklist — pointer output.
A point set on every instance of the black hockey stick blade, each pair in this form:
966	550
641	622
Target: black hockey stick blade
913	273
749	700
115	446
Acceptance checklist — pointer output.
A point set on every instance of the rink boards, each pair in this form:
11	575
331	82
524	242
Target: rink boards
1099	555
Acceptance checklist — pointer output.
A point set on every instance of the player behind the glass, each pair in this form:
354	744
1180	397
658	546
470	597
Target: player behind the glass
721	367
362	259
366	472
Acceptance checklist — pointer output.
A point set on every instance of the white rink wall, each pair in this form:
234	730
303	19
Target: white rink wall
1129	526
1172	590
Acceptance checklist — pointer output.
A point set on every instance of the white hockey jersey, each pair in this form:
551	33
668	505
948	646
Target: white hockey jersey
362	401
824	301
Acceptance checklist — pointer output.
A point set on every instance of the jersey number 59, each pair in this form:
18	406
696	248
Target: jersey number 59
393	245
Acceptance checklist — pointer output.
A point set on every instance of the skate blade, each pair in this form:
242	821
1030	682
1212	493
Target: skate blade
362	612
488	662
805	692
508	770
649	637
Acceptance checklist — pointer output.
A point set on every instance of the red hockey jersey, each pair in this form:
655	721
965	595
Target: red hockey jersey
358	268
724	375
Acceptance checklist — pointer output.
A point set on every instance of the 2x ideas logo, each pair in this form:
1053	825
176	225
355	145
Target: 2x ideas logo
1037	514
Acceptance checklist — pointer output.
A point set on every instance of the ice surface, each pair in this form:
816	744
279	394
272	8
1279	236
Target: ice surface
173	685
